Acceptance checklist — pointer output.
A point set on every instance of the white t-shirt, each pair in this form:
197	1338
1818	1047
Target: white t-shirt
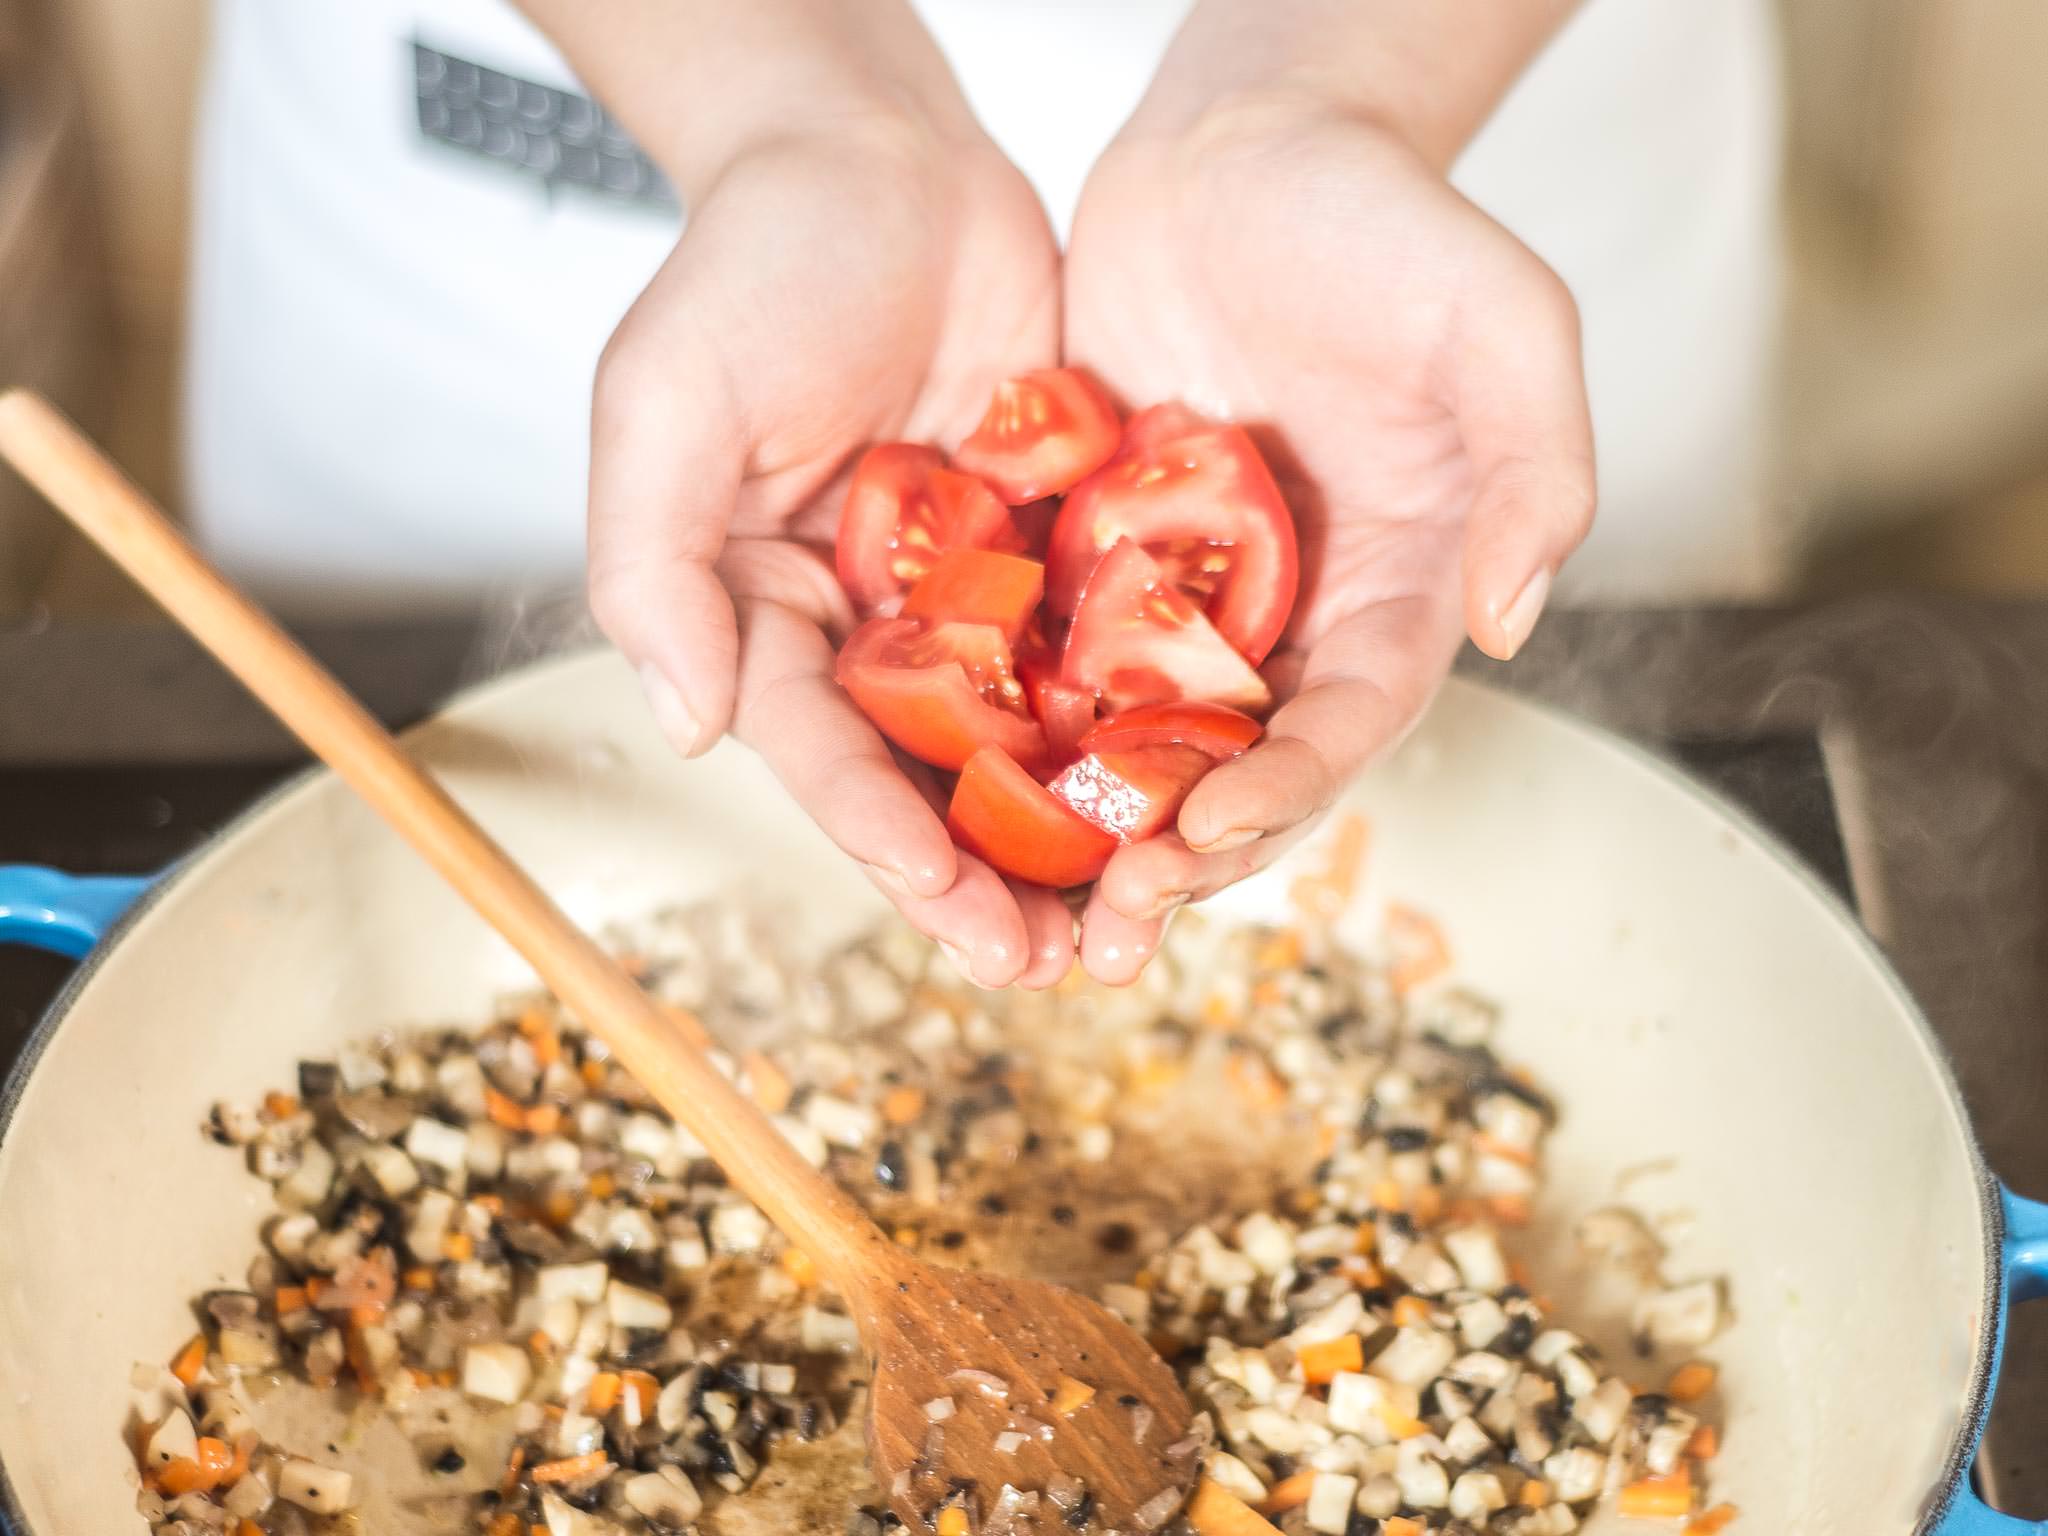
392	336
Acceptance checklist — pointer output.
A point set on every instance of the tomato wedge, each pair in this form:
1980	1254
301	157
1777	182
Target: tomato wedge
1003	815
1201	501
904	509
1065	711
940	693
1137	639
1132	795
1043	433
979	586
1219	731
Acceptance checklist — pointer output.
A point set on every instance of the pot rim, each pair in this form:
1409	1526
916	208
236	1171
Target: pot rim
1969	1428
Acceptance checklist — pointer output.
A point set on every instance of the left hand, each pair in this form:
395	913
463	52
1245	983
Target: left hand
1413	372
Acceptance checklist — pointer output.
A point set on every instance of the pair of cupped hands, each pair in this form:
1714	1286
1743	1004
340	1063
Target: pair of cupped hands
869	266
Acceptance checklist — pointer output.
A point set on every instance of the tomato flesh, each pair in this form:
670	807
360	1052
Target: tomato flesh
979	586
1215	729
1200	499
1131	795
940	693
904	509
1043	433
1065	711
1004	816
1137	639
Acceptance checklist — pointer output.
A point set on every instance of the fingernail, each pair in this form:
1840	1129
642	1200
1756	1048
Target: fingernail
670	712
1236	837
1527	607
958	956
888	879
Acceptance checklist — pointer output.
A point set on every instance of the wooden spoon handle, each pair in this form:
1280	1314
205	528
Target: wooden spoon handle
81	482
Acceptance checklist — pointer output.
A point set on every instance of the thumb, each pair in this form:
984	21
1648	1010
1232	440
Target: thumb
667	452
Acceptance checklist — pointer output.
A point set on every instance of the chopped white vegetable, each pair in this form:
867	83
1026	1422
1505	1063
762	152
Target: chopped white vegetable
322	1490
497	1373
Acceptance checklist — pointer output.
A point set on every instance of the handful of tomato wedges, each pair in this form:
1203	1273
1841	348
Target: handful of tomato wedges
1070	616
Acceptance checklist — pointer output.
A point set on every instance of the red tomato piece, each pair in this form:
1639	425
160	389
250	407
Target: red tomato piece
903	510
978	586
1043	433
1132	795
1065	711
1216	729
1137	639
1004	816
1201	501
941	694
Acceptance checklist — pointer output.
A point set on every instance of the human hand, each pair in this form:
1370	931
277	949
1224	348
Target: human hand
865	266
1293	262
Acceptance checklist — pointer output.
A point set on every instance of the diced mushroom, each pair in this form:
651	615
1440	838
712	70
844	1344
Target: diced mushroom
666	1497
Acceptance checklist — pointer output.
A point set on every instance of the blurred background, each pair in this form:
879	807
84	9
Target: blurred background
1911	420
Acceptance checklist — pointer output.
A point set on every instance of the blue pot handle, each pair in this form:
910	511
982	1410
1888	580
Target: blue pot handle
2026	1279
65	914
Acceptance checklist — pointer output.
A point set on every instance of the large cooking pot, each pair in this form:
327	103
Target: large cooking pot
1706	1011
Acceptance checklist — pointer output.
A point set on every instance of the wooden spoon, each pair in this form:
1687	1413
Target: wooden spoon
1092	1402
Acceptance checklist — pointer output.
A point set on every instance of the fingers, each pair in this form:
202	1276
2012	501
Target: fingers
1363	685
667	451
832	760
978	921
1049	929
1115	947
1520	396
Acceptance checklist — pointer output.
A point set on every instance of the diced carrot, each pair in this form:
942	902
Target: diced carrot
1366	1238
1321	1362
1389	1196
572	1469
506	1524
184	1475
458	1246
1426	1205
1289	1493
1652	1498
767	1082
1510	1210
214	1457
504	1109
419	1278
592	1073
1217	1013
1071	1396
1492	1146
799	1266
603	1395
510	1481
1421	953
540	1034
366	1315
248	1528
537	1529
1215	1511
238	1465
1400	1527
544	1119
540	1344
1410	1311
1713	1522
902	1104
1269	993
1324	895
494	1205
1535	1494
1155	1075
1705	1443
1360	1271
1398	1424
280	1106
1326	1139
906	1237
189	1361
1256	1082
952	1521
642	1387
602	1185
287	1299
559	1208
1280	952
1691	1382
359	1361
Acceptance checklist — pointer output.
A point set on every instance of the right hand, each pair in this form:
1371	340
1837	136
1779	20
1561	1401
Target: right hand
848	276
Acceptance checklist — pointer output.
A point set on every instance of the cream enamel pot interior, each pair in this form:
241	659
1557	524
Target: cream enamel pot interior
1703	1009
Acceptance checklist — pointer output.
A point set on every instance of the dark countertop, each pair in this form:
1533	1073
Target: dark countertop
1931	715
